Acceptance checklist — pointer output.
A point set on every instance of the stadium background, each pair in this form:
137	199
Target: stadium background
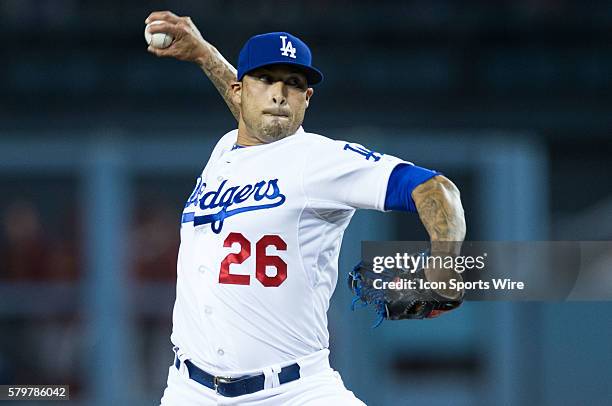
100	144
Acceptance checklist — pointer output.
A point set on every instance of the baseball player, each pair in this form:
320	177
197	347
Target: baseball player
262	229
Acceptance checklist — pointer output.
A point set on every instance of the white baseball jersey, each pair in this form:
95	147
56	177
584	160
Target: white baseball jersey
260	238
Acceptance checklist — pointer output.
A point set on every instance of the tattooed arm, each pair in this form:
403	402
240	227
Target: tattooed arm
188	45
222	74
439	207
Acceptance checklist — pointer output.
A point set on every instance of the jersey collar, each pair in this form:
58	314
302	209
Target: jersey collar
299	131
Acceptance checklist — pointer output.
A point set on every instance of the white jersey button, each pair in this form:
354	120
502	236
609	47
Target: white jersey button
202	268
220	178
220	352
207	309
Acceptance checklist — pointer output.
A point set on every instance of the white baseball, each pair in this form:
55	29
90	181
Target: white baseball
159	39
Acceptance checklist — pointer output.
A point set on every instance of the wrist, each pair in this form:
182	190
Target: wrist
443	278
202	57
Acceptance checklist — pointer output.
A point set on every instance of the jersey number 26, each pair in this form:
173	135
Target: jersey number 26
261	260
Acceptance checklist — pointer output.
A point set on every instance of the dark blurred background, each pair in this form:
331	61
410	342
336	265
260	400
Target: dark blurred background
100	144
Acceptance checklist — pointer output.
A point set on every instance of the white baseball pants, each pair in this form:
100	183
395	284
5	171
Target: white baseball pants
319	385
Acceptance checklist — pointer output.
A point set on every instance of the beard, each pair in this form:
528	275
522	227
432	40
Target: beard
274	129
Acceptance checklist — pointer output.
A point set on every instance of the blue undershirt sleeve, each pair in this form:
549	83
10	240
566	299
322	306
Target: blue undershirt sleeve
402	181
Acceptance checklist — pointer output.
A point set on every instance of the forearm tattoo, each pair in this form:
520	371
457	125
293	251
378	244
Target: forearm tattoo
222	74
439	206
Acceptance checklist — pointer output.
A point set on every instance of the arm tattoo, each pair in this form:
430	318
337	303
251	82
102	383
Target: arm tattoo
439	207
221	73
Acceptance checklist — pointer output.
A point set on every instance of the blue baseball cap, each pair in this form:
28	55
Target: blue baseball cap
277	48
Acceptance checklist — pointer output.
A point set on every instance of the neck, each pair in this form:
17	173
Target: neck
245	138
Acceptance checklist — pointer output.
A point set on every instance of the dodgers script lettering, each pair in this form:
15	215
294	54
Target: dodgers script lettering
240	198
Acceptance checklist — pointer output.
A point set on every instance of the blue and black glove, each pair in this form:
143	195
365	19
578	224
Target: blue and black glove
400	302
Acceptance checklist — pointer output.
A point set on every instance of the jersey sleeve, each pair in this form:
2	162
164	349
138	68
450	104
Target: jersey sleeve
348	174
403	180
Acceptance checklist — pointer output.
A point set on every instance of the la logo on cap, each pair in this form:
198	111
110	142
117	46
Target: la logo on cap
263	50
287	48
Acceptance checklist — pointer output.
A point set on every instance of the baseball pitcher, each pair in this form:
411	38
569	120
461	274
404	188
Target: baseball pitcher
261	232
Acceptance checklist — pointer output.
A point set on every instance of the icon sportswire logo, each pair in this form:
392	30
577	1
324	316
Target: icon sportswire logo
231	201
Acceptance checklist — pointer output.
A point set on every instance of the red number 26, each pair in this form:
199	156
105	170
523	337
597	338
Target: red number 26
261	260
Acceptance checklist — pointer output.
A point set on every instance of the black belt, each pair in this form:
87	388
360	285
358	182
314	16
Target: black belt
232	387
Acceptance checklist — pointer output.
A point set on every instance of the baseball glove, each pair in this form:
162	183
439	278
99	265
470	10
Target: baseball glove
397	303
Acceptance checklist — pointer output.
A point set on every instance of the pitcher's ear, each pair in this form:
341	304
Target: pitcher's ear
309	93
236	92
